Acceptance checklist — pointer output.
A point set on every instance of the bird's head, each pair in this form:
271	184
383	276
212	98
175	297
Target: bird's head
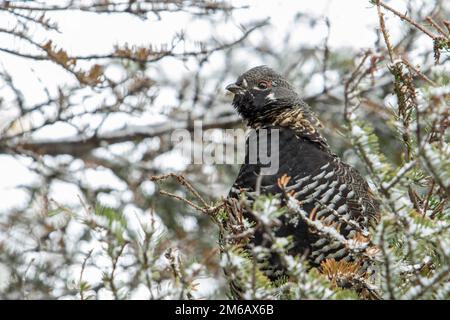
260	94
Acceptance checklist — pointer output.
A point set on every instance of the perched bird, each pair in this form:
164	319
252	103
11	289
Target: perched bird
326	188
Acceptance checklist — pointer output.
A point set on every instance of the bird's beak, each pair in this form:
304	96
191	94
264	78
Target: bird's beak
234	88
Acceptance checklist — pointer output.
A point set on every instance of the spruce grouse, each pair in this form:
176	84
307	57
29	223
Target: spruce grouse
325	187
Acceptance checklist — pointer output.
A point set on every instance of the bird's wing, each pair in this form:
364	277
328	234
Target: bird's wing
327	189
319	179
336	192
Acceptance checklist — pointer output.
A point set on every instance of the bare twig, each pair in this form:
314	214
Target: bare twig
81	286
406	18
385	32
418	72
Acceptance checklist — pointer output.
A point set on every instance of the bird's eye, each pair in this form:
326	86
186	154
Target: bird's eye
263	85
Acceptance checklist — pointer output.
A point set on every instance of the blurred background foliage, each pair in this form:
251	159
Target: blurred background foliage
91	223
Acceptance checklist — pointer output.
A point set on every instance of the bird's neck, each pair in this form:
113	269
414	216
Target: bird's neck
301	120
295	118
